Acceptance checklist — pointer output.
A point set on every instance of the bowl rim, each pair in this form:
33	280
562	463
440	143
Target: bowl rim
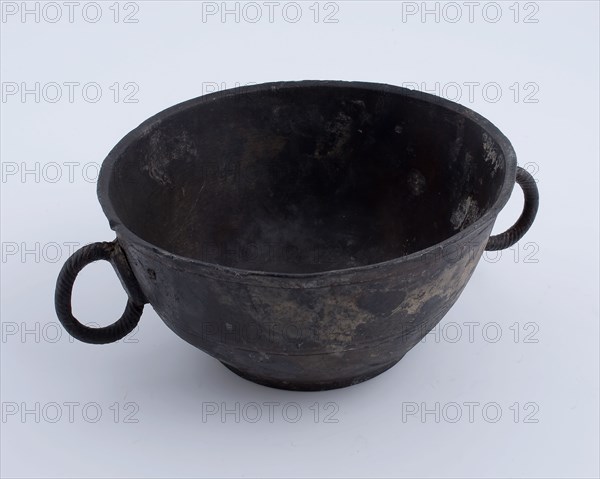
122	231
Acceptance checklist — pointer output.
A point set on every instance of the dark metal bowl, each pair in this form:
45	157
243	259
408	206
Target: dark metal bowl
306	234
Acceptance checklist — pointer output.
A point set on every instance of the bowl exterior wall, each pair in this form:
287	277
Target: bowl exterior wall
320	331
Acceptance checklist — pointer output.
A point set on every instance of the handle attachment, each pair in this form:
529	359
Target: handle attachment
530	208
111	252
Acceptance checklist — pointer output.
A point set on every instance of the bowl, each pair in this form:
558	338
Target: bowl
305	234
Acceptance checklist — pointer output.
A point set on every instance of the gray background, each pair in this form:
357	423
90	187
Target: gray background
522	341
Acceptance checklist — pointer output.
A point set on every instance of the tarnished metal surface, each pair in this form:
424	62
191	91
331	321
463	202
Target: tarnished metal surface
305	333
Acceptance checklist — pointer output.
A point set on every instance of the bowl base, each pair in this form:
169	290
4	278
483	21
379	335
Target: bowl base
310	386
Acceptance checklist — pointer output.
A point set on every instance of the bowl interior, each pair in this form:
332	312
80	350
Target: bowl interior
306	179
